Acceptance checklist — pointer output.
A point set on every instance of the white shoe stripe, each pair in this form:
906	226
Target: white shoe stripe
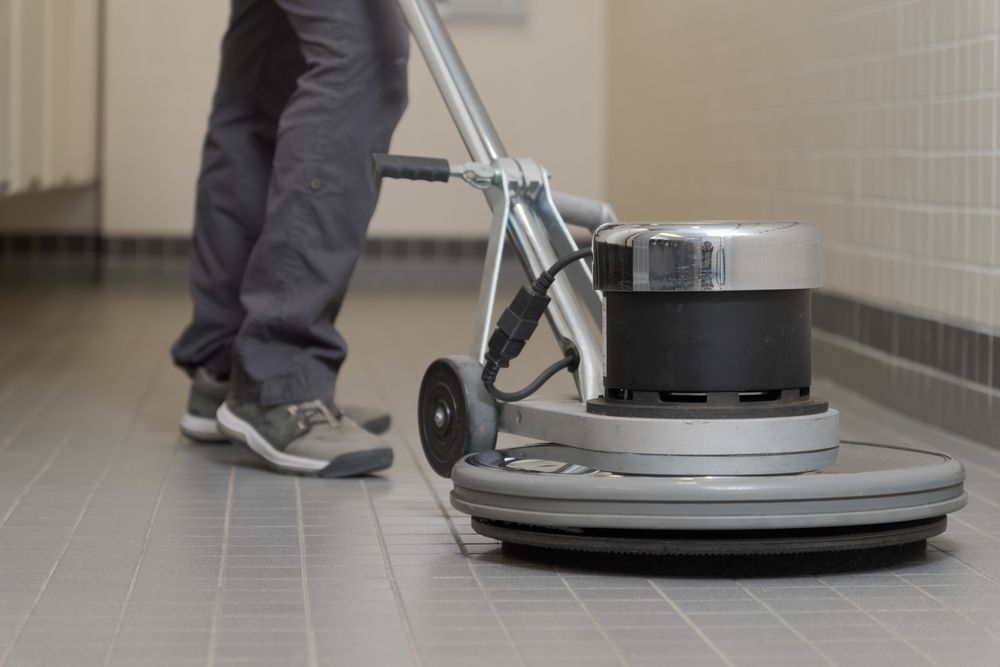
201	428
246	433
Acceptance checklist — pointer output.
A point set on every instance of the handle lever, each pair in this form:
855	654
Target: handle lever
411	168
479	176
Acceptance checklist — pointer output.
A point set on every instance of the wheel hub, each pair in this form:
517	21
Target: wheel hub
442	417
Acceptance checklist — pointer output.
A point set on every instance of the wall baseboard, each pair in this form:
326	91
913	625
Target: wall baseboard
392	263
939	373
22	246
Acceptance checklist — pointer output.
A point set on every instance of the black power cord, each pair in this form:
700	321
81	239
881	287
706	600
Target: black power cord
515	327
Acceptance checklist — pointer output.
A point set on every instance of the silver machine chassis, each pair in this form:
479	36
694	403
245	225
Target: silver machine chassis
641	485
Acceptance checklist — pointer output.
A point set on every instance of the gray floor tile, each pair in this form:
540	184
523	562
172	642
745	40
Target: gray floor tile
123	544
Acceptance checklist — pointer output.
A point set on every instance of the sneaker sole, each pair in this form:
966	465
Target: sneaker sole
201	429
345	465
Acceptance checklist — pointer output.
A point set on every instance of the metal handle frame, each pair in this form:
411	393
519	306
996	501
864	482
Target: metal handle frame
531	221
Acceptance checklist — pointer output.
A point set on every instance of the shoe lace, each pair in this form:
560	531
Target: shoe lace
313	413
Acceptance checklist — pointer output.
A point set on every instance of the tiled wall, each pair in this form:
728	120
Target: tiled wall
875	119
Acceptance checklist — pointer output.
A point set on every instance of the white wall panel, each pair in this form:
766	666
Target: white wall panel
28	94
6	31
48	93
72	93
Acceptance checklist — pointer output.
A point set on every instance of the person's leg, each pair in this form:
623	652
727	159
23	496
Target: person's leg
261	62
321	197
322	194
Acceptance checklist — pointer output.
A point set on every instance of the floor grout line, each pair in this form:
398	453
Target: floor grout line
142	555
52	352
70	432
220	587
852	398
781	619
391	576
45	468
694	626
882	625
451	590
960	612
496	613
76	524
878	427
429	487
32	414
610	642
886	430
971	492
306	595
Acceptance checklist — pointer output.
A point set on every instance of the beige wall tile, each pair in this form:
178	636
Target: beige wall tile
876	121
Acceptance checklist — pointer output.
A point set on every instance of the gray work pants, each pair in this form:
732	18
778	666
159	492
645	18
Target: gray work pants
307	91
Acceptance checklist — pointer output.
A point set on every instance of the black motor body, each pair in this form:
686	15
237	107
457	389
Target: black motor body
683	341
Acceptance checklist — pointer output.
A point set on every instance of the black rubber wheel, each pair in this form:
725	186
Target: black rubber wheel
457	415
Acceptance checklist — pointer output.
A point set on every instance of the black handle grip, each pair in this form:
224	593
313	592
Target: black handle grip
411	168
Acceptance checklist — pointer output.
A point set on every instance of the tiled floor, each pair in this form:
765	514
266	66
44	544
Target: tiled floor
120	543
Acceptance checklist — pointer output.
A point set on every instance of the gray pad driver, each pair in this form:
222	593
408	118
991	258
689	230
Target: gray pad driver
870	485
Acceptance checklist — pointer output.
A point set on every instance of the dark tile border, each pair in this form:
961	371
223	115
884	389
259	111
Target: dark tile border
937	372
386	263
48	246
424	248
931	397
969	355
148	249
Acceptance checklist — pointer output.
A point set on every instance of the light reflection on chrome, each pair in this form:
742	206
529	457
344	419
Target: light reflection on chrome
706	256
553	467
510	461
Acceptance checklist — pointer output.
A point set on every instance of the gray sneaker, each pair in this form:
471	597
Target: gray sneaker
209	393
310	438
206	395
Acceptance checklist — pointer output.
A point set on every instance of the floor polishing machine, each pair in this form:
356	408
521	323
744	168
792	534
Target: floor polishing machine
693	430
